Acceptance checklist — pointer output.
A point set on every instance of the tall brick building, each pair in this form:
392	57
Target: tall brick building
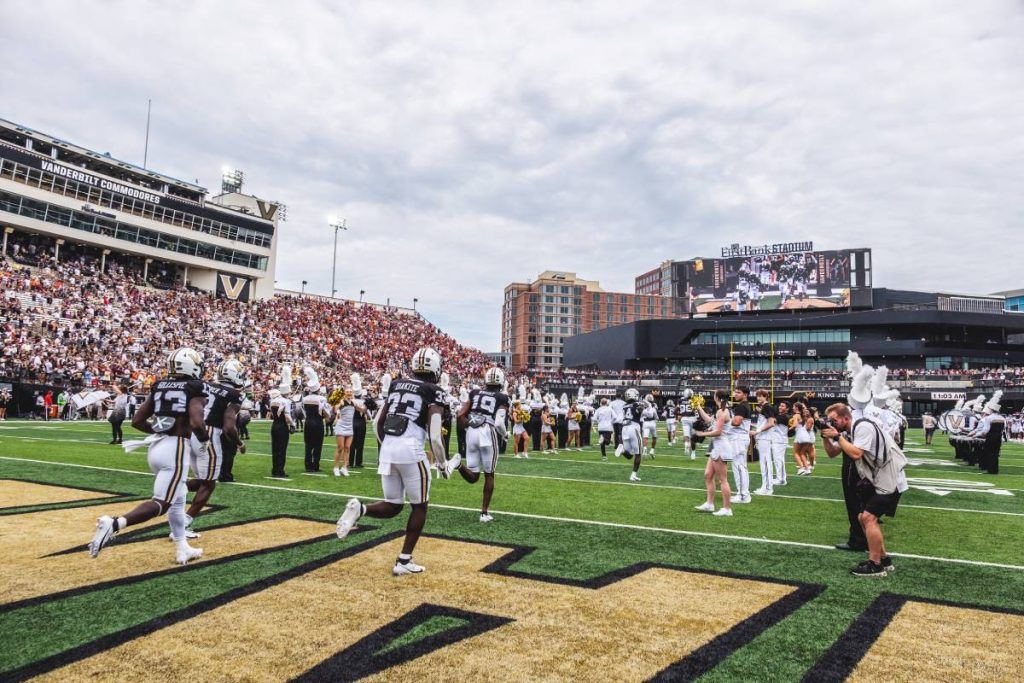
536	316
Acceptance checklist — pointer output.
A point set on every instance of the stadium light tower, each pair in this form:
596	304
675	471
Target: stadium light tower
337	224
231	179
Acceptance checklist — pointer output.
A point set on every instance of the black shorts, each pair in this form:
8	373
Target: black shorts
929	431
883	504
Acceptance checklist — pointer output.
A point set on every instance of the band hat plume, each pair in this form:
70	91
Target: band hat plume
312	381
860	391
993	403
285	384
385	383
853	363
960	404
357	385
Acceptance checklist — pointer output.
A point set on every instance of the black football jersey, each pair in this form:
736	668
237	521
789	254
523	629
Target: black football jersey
171	396
487	403
412	398
632	412
218	398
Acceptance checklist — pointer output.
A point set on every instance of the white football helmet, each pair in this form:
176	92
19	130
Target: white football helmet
185	361
427	361
494	377
231	371
687	394
632	394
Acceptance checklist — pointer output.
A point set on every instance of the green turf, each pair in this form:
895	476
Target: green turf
585	520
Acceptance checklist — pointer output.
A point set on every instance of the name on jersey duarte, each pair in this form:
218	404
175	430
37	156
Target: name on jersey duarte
102	183
767	249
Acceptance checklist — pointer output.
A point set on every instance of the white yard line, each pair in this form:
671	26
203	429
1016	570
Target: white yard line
567	520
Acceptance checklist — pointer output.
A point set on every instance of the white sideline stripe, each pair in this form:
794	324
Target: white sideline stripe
753	472
636	484
755	497
569	520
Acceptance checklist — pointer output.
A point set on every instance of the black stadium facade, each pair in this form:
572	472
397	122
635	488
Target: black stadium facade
902	330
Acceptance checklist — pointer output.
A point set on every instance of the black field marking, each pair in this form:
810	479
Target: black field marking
114	497
128	580
112	640
704	658
360	659
839	662
157	530
68	505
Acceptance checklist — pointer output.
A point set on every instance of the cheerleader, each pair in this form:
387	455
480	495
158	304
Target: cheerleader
547	435
573	420
802	423
520	437
345	420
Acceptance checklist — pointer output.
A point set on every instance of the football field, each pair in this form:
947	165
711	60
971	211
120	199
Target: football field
581	575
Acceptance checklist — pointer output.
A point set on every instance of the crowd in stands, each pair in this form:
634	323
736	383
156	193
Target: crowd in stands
83	322
68	323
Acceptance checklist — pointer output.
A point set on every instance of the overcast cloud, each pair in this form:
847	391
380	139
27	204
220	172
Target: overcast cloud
474	144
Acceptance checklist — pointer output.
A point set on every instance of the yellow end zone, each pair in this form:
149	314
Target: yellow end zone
928	642
14	493
27	539
628	630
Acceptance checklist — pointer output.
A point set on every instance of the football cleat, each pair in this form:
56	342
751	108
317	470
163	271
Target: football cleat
705	507
347	521
619	449
184	553
104	532
724	512
484	517
189	533
633	476
453	464
763	492
409	567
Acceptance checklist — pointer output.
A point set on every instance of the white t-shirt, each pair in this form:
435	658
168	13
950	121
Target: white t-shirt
617	406
604	416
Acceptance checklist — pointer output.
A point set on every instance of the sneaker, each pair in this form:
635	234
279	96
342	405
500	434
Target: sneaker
705	507
343	471
189	533
745	498
353	511
104	532
184	553
887	564
633	476
652	454
484	517
453	464
337	471
736	499
693	455
763	492
868	569
526	455
723	512
604	458
409	567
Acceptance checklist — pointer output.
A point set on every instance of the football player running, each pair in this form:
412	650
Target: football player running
177	405
410	416
631	436
649	418
670	422
484	417
223	402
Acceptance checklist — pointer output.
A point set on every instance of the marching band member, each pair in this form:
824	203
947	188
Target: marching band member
315	408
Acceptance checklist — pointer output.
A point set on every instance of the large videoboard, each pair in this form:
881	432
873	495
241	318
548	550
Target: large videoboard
765	282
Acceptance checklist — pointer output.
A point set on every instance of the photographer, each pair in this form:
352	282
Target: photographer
879	478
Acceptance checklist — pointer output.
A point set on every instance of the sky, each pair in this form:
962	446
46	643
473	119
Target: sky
470	145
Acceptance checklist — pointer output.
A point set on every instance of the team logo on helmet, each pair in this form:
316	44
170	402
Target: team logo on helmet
494	377
231	371
427	361
187	362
